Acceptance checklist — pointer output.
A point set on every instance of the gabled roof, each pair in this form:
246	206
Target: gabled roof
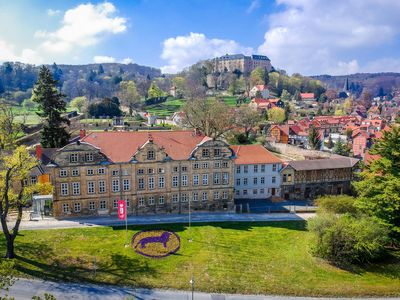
254	154
282	128
261	87
325	163
120	146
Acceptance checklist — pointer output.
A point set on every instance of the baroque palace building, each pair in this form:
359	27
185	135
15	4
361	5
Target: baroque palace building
243	63
159	171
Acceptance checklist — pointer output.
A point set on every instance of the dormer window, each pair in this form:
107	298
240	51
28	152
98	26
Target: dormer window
89	156
73	158
205	153
217	152
150	155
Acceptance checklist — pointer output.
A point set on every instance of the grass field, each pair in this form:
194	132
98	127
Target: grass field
265	258
166	108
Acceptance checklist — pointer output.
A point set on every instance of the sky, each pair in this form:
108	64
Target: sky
310	37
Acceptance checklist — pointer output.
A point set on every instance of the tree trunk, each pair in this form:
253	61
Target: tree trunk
10	248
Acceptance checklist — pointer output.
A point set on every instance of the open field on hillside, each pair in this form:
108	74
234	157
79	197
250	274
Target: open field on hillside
257	257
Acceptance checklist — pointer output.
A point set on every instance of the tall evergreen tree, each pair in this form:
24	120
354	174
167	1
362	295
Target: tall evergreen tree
51	105
100	70
314	140
341	148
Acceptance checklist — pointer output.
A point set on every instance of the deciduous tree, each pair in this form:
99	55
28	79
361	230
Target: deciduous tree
276	115
79	103
129	95
247	118
211	116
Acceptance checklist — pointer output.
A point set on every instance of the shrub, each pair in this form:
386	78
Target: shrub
340	204
344	239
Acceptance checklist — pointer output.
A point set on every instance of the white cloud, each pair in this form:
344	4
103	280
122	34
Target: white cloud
103	59
253	6
127	61
82	26
317	36
183	51
53	12
8	52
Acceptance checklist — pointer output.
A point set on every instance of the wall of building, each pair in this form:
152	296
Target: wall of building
254	182
142	178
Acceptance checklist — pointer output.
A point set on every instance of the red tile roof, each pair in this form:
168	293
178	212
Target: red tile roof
254	154
121	146
307	95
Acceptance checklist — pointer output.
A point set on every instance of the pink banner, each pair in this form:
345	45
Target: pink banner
121	209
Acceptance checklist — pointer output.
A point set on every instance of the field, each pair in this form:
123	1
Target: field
170	106
264	258
166	108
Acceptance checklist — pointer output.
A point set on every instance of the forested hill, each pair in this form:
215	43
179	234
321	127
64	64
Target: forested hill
93	80
372	82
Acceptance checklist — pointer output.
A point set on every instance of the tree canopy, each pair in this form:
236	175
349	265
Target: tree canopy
379	185
211	116
51	106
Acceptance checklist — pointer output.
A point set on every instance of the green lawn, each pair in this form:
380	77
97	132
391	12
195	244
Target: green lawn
265	258
166	108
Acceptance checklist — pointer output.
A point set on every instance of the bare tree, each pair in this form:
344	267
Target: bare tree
247	118
211	116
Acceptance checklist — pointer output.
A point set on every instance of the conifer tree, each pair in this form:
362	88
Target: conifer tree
340	148
314	140
51	105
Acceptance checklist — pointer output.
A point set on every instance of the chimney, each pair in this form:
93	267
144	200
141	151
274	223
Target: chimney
82	133
39	152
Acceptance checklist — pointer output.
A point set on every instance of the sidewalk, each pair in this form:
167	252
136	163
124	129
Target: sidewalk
26	288
206	217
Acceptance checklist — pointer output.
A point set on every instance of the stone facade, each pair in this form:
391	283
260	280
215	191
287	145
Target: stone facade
87	182
241	62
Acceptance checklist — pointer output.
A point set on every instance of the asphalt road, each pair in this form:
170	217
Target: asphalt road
25	289
206	217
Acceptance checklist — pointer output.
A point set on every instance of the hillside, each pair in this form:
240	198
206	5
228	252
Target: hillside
92	80
372	82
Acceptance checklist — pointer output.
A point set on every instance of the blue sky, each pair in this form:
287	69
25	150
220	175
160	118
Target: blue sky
305	36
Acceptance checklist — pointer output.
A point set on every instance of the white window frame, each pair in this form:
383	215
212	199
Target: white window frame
161	182
65	208
196	179
91	187
141	183
76	188
175	181
77	207
150	182
102	186
75	172
115	186
64	189
204	180
126	184
103	204
63	173
92	205
161	200
185	180
101	171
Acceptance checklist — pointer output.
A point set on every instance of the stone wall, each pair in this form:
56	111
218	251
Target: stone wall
296	153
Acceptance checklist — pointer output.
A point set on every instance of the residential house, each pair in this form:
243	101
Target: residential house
279	134
256	172
260	91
